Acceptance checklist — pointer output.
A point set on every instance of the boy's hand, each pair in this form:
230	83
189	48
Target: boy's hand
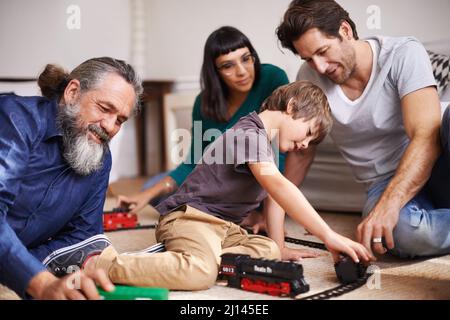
338	244
292	254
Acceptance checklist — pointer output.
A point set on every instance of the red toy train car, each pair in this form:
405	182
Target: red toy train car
118	219
277	278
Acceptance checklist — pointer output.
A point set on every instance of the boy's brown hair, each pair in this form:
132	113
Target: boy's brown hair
309	102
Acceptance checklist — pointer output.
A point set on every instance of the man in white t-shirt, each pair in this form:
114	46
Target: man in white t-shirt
387	126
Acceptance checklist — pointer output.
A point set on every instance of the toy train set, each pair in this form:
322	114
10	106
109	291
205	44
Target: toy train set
274	277
279	278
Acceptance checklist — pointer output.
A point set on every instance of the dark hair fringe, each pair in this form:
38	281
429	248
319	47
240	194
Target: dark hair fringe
214	94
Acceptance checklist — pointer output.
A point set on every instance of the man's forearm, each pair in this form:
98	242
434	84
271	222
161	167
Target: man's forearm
17	265
412	174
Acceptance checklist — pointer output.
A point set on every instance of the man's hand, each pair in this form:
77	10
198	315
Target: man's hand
292	254
379	224
76	286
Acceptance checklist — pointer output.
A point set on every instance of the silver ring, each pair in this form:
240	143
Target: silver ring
377	240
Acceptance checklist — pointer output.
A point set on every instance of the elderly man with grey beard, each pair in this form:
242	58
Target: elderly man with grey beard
54	170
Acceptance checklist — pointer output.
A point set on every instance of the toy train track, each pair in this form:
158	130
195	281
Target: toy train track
138	227
306	243
339	290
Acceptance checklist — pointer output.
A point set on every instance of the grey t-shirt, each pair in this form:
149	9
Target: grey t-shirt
369	131
222	183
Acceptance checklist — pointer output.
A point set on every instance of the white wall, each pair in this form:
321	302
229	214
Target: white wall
178	29
426	20
34	33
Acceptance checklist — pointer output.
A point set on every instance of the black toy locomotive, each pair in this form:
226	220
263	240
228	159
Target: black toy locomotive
277	278
348	271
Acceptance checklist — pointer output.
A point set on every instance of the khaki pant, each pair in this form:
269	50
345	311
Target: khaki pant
194	242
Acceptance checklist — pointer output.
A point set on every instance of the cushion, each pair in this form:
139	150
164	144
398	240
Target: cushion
441	70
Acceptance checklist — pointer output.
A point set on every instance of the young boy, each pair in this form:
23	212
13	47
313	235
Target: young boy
200	221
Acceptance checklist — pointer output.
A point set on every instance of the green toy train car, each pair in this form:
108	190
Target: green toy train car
134	293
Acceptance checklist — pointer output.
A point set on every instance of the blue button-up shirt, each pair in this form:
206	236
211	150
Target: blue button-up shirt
44	204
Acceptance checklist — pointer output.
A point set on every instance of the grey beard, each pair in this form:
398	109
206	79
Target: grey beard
82	154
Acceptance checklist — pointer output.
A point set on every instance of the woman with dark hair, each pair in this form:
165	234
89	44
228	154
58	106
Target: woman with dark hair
234	83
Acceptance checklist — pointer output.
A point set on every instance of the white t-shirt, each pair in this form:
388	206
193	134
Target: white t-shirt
369	131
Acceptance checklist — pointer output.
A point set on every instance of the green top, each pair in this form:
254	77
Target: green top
271	77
